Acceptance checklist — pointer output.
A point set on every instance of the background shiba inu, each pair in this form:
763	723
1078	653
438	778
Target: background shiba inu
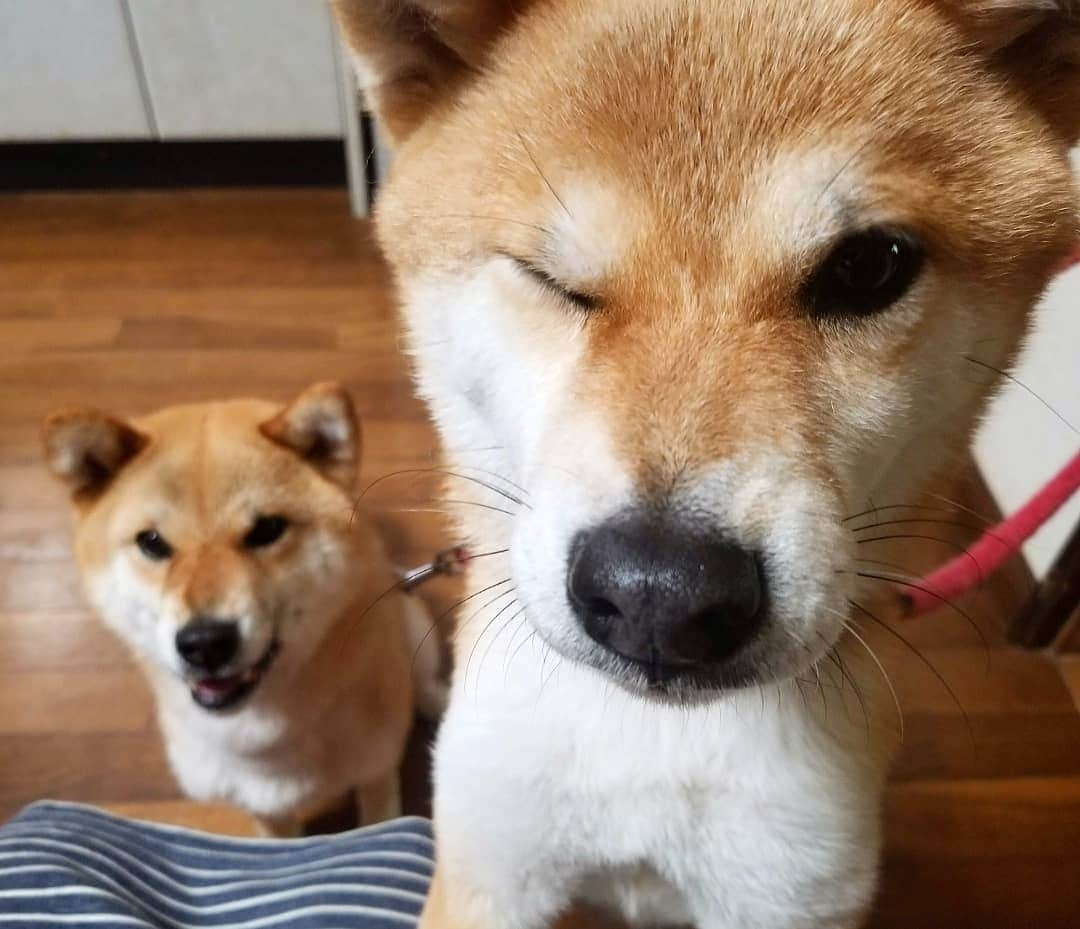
699	280
220	541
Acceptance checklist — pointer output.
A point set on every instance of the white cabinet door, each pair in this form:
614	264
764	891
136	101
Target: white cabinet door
239	68
67	72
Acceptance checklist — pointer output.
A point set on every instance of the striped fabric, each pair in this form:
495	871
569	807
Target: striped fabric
63	864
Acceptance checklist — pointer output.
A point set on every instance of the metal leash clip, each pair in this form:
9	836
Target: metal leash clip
449	561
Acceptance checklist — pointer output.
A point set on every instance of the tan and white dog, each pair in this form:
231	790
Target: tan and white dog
220	542
696	279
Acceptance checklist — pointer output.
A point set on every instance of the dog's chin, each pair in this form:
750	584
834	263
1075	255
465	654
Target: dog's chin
689	684
217	693
679	685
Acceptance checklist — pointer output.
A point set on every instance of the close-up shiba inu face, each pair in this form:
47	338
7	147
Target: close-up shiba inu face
215	539
705	279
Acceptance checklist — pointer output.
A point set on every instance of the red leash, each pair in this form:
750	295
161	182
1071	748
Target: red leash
973	567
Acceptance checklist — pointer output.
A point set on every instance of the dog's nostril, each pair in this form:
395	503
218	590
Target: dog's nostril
601	608
208	644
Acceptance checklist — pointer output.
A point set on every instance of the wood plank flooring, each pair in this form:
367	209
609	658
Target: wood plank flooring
134	301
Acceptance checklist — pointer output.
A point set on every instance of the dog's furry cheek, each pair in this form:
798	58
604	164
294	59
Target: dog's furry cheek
298	601
492	357
140	613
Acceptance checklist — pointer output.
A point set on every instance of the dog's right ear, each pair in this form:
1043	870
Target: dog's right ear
86	448
414	55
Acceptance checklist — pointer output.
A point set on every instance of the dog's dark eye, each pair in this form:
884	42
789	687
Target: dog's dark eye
867	272
582	301
266	530
153	545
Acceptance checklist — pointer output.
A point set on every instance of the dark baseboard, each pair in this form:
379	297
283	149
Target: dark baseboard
26	166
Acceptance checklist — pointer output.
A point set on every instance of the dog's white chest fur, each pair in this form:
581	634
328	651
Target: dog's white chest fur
553	784
261	760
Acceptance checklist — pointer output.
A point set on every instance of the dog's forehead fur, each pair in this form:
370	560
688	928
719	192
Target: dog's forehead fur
686	115
206	472
691	162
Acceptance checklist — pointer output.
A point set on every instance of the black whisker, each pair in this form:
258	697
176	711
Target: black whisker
936	522
904	536
881	669
540	171
894	506
405	581
514	654
1023	386
488	218
483	506
461	625
440	506
835	660
891	565
844	167
955	504
483	632
543	684
926	661
960	549
435	622
842	665
498	476
905	572
930	593
465	477
495	638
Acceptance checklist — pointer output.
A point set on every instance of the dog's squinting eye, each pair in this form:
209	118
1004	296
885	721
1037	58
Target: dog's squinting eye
153	545
580	300
867	272
266	530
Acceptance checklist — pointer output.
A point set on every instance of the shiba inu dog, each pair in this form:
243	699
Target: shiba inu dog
220	542
693	282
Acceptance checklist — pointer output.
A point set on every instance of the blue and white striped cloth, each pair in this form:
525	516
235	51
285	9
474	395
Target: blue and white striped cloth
64	864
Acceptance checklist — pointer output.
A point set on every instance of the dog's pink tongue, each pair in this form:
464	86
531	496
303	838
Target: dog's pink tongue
212	686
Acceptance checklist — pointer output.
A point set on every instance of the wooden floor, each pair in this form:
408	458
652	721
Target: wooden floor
134	301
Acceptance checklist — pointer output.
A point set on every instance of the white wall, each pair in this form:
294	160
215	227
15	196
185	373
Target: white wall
1023	444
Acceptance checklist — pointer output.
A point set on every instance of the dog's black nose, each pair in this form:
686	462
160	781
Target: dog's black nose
208	644
664	597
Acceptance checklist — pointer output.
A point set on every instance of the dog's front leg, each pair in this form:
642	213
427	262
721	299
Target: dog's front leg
279	827
380	800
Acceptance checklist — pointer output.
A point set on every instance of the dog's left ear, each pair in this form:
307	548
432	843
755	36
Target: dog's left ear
321	426
1036	44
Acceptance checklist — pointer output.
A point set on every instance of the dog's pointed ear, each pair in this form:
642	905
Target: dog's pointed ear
412	56
321	426
1036	44
86	448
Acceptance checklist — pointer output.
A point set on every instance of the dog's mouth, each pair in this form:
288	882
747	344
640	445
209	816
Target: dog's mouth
680	683
217	693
